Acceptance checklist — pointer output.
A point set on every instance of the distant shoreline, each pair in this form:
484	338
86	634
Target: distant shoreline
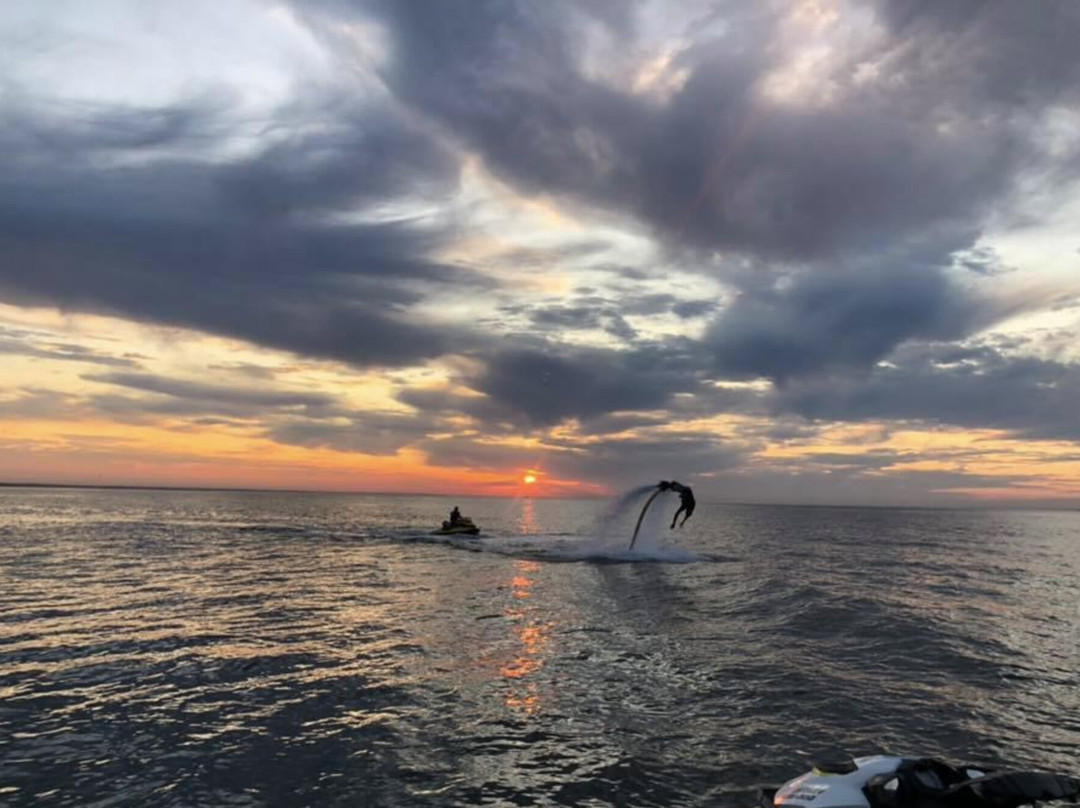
1011	506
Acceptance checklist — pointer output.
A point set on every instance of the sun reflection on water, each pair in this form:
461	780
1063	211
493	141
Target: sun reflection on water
533	635
528	523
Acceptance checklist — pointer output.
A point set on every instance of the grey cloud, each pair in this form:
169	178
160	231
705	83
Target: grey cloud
59	351
144	409
210	420
983	261
720	165
240	248
36	133
605	318
786	431
977	388
621	422
247	369
997	54
300	419
855	462
608	313
574	317
548	387
493	415
296	418
618	327
656	303
894	168
369	433
468	452
33	402
829	321
361	159
534	387
200	391
661	303
602	391
689	309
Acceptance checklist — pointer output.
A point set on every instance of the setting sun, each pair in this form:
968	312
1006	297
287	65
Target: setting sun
529	479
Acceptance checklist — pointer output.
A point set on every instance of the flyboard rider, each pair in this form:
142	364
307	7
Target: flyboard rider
686	495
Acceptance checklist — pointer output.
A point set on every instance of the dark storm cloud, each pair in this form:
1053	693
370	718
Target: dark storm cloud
94	221
869	194
719	164
989	53
830	321
603	390
549	387
977	388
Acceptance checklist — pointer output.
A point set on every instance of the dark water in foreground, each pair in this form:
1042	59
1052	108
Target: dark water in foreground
183	648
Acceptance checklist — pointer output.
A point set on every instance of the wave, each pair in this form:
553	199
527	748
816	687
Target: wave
559	547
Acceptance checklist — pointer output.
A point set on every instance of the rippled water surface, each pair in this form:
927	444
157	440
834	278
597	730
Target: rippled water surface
192	648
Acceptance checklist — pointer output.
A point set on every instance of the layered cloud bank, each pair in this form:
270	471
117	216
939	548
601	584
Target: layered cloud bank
818	251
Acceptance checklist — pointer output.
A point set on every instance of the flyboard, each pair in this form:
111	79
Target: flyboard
637	528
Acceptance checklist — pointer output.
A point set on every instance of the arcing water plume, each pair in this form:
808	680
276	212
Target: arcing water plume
629	519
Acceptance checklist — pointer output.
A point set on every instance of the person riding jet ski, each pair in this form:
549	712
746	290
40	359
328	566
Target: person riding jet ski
881	781
458	524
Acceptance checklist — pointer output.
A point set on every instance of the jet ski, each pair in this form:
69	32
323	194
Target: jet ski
463	527
881	781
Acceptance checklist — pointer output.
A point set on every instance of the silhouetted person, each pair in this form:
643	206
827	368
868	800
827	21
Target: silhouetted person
455	517
687	503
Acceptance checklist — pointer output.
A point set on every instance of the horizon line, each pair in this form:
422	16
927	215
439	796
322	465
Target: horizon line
241	490
1004	506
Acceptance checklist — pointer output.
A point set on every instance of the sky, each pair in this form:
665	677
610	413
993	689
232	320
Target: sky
806	251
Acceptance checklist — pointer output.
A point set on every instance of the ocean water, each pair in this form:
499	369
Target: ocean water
247	649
